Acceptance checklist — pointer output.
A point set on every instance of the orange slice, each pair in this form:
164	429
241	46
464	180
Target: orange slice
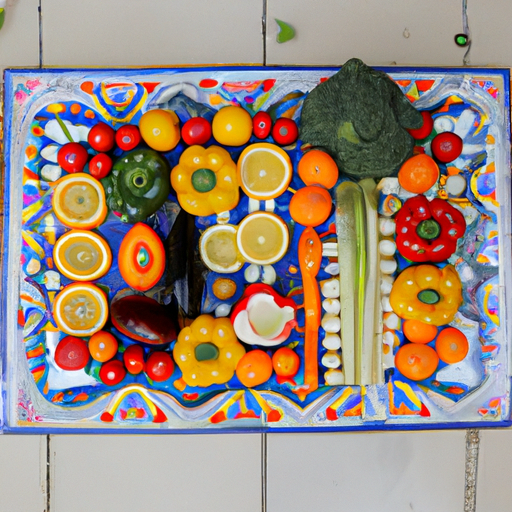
82	255
79	201
264	171
262	238
80	309
218	249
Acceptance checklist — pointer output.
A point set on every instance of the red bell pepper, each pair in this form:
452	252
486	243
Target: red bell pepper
428	230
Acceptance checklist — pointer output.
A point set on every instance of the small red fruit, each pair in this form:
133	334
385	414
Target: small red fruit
261	125
196	130
446	146
133	358
112	373
101	137
72	157
285	131
100	165
159	366
71	354
426	128
128	137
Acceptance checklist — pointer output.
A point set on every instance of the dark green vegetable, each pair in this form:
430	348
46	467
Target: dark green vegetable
360	116
138	185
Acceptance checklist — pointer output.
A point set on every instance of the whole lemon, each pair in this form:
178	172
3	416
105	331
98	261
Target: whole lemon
232	126
160	129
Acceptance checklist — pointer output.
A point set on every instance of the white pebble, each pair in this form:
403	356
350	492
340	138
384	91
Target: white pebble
387	226
252	273
332	342
386	283
331	323
387	247
392	321
222	310
52	280
268	275
332	306
331	359
455	185
331	288
388	266
334	377
333	269
388	338
386	306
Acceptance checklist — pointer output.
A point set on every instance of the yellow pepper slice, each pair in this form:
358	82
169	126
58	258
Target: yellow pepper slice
208	351
427	293
205	181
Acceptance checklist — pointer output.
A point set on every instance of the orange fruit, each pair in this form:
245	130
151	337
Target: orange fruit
311	206
416	361
160	129
102	346
82	255
418	174
78	201
452	345
262	238
285	362
80	309
419	332
264	171
254	368
317	167
232	126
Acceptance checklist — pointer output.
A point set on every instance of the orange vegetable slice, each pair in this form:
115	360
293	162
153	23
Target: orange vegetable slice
264	171
262	238
82	255
80	309
78	201
141	258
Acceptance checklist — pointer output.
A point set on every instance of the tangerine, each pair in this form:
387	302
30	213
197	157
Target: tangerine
418	174
254	368
452	345
419	332
102	346
311	206
317	167
416	361
285	362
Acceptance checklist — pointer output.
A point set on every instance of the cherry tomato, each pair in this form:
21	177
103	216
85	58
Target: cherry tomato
71	354
112	373
426	128
72	157
128	137
285	131
196	130
159	366
446	146
285	362
100	165
133	358
101	137
102	346
261	125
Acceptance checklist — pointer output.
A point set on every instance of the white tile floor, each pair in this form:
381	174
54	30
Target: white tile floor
421	471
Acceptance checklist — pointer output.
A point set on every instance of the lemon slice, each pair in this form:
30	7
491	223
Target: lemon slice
264	171
80	309
82	255
262	238
78	201
218	249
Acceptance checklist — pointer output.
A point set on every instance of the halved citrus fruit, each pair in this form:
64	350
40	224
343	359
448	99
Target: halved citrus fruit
78	201
80	309
262	238
317	167
218	249
82	255
264	171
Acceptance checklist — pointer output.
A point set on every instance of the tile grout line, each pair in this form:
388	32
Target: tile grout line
40	34
471	469
264	472
48	473
264	31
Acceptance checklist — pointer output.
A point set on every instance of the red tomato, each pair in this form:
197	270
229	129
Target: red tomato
112	373
196	130
261	125
426	128
101	137
71	354
100	165
285	131
159	366
133	358
446	146
128	137
72	157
